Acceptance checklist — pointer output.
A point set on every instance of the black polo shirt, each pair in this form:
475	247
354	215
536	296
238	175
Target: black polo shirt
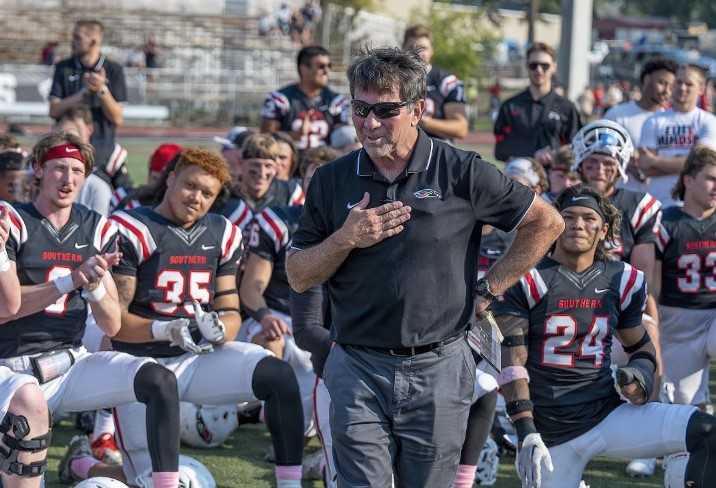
414	288
68	80
525	125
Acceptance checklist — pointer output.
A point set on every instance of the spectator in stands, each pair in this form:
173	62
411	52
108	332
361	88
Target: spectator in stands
308	110
585	105
287	156
283	18
13	177
537	121
159	160
151	52
47	56
444	116
135	58
89	78
9	142
657	81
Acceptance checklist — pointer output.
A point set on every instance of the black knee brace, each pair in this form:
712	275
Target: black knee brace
156	387
12	445
479	424
275	382
701	444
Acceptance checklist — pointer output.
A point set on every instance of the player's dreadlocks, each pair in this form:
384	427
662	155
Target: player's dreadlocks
612	216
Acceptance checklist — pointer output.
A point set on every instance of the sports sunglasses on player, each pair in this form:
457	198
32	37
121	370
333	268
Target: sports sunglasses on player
382	110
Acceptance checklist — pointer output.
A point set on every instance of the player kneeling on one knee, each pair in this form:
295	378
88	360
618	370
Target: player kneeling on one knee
559	322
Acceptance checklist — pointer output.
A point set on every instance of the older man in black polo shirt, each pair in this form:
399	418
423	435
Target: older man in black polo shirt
395	230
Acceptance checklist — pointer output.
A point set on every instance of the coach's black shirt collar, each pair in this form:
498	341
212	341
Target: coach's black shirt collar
419	160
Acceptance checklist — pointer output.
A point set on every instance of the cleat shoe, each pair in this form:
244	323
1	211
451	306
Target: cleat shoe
105	449
313	466
641	468
79	447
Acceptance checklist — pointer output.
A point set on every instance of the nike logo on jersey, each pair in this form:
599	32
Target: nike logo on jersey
80	246
597	290
350	205
204	247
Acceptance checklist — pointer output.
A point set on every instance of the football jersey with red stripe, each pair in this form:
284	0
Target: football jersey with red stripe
492	247
686	248
270	234
572	318
41	254
639	214
289	106
443	88
173	266
241	212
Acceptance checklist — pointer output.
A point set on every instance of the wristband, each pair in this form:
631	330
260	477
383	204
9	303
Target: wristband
258	315
524	427
159	331
64	284
4	260
95	295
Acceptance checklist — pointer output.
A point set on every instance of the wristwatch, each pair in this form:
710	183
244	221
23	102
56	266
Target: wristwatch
482	288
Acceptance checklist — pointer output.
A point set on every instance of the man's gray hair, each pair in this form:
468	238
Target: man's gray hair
384	69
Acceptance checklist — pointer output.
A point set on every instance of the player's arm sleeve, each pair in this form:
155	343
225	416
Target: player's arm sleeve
662	237
231	249
275	106
307	320
496	199
57	89
261	244
633	295
118	84
340	110
645	220
454	91
502	130
312	227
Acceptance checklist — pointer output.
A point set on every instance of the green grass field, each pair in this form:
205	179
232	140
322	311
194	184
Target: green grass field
239	462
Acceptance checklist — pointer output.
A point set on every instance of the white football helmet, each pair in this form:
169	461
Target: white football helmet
100	482
193	474
487	464
675	470
206	425
603	137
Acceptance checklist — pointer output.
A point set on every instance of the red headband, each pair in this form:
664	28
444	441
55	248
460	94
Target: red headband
63	151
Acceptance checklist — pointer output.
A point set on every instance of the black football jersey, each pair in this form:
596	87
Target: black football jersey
270	234
173	266
241	213
289	106
686	248
639	214
572	318
443	88
41	254
492	247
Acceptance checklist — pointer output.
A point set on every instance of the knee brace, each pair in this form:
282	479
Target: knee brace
701	444
13	445
156	387
275	383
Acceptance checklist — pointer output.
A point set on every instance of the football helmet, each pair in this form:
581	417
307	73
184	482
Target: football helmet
193	474
100	482
603	137
207	426
487	464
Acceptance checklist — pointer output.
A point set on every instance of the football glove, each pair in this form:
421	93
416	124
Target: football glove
531	456
177	333
210	326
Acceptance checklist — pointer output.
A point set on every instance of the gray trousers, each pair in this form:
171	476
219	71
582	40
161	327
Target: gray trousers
400	418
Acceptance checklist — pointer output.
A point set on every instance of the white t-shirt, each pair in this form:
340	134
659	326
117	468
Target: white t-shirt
671	134
632	117
96	194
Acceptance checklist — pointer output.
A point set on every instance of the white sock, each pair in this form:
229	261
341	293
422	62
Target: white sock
288	483
103	423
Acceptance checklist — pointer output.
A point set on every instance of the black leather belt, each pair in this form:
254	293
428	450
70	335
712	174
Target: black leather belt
414	350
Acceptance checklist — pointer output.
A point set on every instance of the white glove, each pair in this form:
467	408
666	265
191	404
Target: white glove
177	333
210	326
530	458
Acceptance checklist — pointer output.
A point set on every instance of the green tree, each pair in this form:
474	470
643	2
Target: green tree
461	40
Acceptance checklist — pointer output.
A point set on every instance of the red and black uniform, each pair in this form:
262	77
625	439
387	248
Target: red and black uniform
41	254
572	319
443	88
289	106
173	266
639	216
687	248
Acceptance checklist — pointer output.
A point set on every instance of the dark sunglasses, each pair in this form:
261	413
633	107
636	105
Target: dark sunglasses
534	66
324	66
382	110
